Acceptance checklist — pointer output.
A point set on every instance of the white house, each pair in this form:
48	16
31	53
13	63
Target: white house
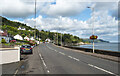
39	38
32	38
47	40
18	37
27	38
21	28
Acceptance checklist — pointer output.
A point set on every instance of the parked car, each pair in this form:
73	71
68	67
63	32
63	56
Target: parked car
26	49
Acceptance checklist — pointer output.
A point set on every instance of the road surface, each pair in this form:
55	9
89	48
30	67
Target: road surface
49	59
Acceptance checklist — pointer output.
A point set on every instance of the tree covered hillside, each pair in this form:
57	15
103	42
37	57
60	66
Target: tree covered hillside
12	28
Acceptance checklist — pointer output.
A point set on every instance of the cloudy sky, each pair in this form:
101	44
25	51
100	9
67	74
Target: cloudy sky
66	16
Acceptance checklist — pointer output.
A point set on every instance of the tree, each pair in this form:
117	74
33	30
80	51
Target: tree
23	35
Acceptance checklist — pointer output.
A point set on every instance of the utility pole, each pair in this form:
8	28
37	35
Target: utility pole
61	36
61	39
57	38
35	22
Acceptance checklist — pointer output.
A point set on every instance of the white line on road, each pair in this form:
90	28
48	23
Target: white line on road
55	50
16	72
61	53
76	59
88	64
48	71
70	57
43	62
102	69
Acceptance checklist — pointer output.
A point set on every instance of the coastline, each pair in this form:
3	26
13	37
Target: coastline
101	46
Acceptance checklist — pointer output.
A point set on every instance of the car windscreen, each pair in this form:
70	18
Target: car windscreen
26	46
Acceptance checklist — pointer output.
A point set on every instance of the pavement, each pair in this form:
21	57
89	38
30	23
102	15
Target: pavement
50	59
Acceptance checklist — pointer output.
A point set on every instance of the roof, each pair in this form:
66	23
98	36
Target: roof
3	33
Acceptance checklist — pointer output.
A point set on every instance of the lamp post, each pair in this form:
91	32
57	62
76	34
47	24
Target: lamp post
57	39
93	37
61	39
61	36
35	22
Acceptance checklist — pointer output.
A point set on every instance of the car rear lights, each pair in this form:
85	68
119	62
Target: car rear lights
22	48
30	48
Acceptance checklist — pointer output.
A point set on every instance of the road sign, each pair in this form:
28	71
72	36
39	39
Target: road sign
93	37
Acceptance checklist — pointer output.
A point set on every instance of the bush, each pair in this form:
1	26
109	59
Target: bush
3	40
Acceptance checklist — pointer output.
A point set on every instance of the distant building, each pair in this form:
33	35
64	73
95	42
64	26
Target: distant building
4	34
18	37
39	39
26	38
47	40
20	28
32	38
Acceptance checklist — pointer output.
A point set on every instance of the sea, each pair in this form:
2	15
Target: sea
103	46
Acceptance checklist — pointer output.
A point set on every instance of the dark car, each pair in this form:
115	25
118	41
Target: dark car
26	49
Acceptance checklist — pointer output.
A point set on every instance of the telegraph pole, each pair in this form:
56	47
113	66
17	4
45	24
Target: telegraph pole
35	22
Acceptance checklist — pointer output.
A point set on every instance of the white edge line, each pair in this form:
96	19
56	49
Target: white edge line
101	69
16	72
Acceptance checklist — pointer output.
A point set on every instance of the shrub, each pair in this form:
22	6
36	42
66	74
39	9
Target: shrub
3	40
12	41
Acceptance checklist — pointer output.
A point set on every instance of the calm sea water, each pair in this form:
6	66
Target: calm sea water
103	46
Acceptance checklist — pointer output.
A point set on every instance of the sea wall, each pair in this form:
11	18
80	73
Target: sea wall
105	52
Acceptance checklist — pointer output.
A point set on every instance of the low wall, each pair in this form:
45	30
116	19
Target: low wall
105	52
9	55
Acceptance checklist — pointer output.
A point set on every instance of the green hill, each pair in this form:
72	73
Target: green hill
12	28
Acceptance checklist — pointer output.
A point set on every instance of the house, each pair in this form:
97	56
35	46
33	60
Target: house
18	37
47	40
32	38
26	38
20	28
4	35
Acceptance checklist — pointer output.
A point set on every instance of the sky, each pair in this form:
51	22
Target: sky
67	16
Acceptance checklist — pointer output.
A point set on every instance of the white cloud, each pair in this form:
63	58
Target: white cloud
64	8
16	8
19	8
105	25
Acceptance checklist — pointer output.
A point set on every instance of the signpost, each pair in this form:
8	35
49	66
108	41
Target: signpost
93	37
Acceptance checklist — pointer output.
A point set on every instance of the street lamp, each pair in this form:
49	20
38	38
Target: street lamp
61	36
93	37
35	22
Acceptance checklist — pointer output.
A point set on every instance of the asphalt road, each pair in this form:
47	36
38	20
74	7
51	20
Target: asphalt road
62	61
49	59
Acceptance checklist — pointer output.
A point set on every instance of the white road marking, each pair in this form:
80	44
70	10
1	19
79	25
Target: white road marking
61	53
55	50
16	72
70	57
43	62
48	71
88	64
102	69
76	59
